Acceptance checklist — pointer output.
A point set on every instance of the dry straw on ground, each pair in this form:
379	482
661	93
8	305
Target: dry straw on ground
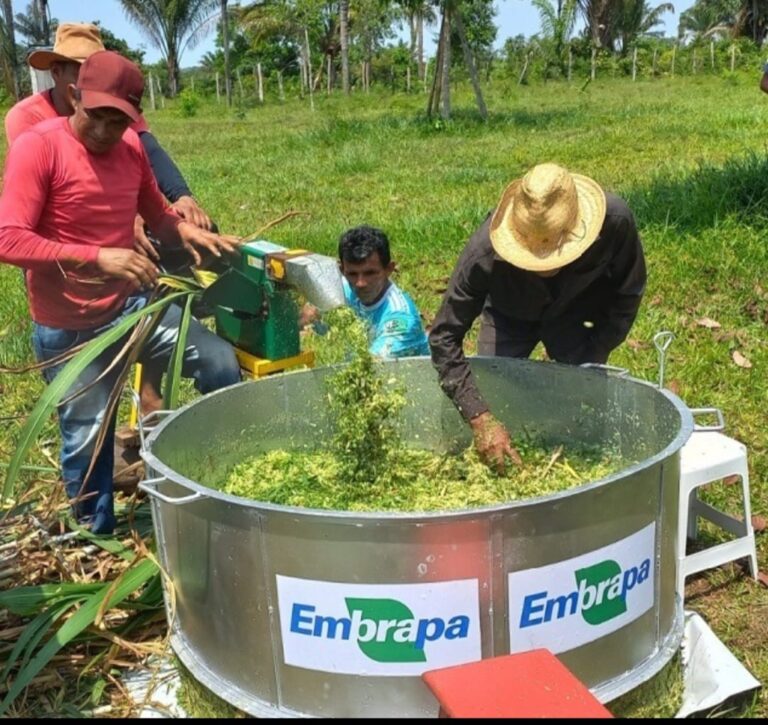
83	678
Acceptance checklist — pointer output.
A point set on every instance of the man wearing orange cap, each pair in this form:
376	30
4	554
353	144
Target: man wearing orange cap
559	262
74	42
72	188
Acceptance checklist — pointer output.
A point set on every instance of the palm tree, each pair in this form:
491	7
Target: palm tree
344	43
9	59
600	17
34	25
614	22
707	17
171	26
225	43
417	13
557	24
752	21
452	18
637	18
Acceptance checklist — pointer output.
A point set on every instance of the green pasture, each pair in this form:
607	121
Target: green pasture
689	154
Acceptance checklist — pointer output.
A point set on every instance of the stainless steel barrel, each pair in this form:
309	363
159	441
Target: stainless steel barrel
285	611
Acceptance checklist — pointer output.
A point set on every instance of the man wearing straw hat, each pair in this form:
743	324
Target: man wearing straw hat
559	262
74	42
72	187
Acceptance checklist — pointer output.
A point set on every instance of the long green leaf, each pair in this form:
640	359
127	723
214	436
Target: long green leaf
26	601
185	284
64	380
34	632
173	377
49	618
130	581
110	544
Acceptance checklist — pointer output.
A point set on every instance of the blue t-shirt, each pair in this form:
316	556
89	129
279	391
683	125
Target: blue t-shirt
394	324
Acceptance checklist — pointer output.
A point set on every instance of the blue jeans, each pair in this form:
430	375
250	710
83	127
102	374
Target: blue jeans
208	359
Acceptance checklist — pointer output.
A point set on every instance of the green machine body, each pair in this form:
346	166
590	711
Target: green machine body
255	300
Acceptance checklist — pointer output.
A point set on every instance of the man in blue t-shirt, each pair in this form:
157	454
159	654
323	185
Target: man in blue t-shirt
395	328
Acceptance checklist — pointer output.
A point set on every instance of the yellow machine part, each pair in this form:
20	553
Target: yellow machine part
254	367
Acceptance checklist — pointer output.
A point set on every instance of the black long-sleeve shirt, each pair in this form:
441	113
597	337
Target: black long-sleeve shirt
613	267
167	174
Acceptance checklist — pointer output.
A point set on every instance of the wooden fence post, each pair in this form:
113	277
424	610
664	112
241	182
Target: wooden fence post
674	53
309	70
218	88
570	63
712	53
733	57
261	82
280	90
594	58
653	69
160	91
240	84
152	93
634	64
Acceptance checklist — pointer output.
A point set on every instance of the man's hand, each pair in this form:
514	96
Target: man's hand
141	242
492	442
193	238
308	314
127	264
187	208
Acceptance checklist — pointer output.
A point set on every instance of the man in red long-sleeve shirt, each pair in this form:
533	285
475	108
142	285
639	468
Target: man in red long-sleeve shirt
71	190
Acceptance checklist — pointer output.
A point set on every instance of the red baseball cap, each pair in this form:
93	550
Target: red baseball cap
108	80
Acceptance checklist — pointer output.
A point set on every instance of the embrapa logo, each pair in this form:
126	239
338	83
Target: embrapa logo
378	629
385	630
568	603
601	595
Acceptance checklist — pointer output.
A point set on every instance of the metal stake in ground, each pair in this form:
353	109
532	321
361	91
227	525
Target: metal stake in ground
662	341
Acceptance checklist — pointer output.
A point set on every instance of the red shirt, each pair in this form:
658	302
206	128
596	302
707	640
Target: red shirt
60	204
39	107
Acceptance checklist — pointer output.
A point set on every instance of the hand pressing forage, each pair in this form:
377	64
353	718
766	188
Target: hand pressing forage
492	442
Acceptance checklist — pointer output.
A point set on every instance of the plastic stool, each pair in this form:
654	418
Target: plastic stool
706	457
524	685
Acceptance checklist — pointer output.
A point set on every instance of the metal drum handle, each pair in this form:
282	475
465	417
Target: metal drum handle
620	372
149	421
149	486
720	425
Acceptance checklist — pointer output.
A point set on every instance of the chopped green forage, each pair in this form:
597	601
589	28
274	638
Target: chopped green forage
367	467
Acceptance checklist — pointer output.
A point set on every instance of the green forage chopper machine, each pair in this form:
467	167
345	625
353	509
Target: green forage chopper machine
252	296
255	307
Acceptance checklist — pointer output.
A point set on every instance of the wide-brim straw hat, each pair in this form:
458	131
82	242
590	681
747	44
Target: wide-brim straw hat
547	219
74	42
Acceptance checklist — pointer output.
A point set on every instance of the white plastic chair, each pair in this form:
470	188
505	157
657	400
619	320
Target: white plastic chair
710	456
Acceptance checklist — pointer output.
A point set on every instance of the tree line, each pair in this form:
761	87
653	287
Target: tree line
346	45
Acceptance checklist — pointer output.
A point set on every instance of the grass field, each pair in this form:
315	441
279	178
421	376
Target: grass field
690	155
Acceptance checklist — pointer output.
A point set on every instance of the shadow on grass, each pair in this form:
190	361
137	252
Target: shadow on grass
692	201
464	123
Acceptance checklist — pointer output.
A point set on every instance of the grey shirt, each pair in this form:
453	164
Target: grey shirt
610	276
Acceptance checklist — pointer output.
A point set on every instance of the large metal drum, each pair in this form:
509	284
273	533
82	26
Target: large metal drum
288	611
